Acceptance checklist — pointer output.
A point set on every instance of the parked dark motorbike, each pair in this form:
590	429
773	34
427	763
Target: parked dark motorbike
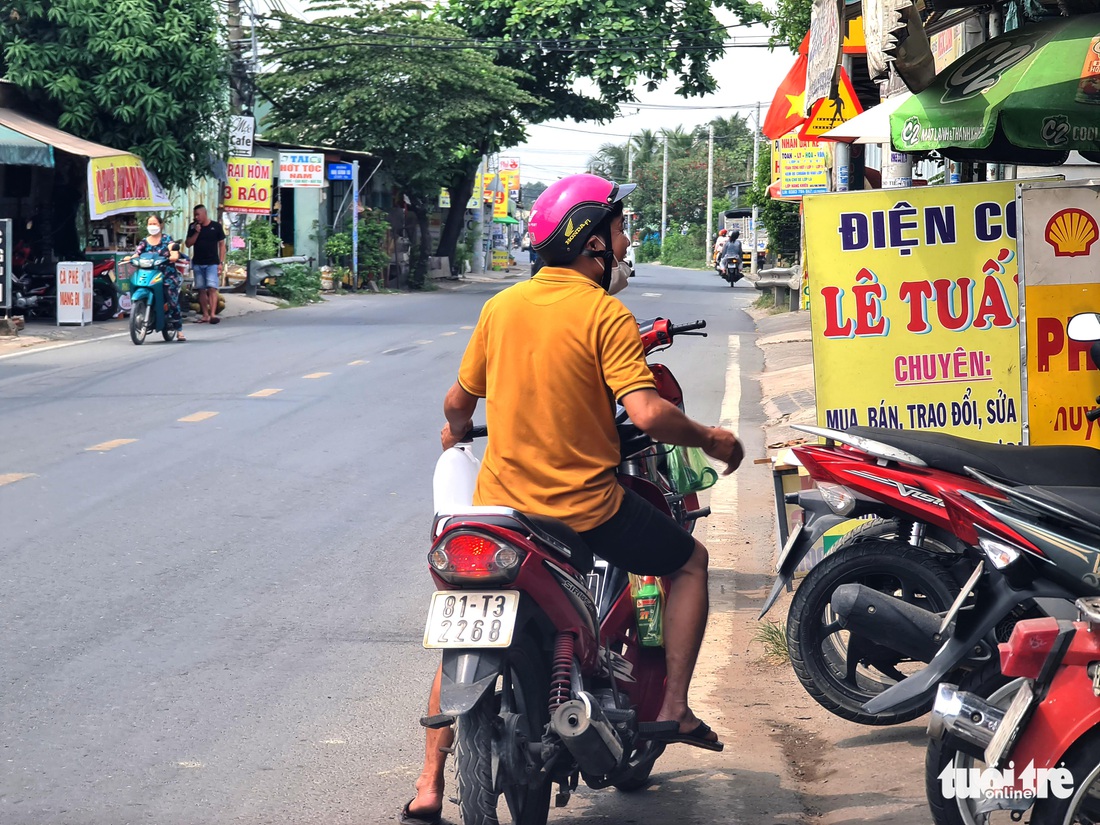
544	675
872	610
34	290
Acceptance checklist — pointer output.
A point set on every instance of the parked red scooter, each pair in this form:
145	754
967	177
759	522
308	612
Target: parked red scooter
544	675
864	619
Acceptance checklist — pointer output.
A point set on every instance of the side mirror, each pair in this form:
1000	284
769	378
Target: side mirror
1084	327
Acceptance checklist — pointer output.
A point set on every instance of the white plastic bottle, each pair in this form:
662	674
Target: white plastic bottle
454	480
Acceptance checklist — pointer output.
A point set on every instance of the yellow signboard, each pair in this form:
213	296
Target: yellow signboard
1061	275
800	167
122	184
248	187
510	179
914	306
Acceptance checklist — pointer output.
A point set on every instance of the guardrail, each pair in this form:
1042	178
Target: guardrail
269	268
784	283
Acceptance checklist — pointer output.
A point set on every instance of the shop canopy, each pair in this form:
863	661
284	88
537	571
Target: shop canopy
19	150
872	126
505	219
1027	97
117	181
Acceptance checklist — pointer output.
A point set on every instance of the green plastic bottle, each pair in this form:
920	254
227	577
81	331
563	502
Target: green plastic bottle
649	612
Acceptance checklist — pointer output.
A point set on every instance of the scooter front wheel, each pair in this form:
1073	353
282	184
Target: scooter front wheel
139	325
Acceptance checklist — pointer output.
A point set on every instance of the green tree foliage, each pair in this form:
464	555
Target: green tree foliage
356	79
790	22
139	75
687	174
613	43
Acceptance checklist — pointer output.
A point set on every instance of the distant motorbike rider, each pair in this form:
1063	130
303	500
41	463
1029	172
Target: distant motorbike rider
553	447
156	240
720	246
730	262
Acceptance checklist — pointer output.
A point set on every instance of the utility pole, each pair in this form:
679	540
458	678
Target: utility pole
629	178
710	194
479	191
664	196
355	224
236	37
754	267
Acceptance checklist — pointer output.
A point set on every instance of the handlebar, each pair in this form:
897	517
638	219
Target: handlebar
677	329
477	432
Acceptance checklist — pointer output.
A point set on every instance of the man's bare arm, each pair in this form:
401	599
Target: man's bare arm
665	422
458	409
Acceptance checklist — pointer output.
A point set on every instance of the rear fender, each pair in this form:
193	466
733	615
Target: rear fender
467	675
1069	710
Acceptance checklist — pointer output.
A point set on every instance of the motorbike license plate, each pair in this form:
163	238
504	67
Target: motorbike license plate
467	618
786	551
959	599
1005	735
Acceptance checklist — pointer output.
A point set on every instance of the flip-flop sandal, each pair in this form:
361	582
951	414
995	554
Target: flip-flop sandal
180	339
215	320
406	818
659	732
200	321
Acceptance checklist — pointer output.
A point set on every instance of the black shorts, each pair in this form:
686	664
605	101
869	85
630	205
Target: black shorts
641	539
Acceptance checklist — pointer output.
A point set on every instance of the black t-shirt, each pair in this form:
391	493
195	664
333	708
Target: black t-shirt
206	244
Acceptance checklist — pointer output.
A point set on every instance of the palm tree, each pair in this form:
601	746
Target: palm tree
647	146
609	162
680	142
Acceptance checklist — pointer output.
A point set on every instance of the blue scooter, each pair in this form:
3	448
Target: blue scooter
148	312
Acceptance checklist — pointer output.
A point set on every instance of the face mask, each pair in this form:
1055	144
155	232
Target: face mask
153	229
620	277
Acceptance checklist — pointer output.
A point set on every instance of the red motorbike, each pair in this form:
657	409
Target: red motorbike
544	675
866	618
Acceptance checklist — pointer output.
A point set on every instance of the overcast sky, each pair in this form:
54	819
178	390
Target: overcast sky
744	75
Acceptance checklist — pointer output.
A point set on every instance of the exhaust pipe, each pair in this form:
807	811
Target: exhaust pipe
888	621
589	737
969	718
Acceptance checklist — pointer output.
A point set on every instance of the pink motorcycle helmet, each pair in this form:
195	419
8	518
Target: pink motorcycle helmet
564	217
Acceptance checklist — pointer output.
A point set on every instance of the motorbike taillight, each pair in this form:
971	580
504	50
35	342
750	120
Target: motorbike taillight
468	556
1027	648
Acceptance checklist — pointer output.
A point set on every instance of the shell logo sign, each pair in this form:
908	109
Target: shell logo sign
1071	232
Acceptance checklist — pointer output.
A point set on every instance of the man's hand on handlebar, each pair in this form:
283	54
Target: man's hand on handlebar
449	437
725	446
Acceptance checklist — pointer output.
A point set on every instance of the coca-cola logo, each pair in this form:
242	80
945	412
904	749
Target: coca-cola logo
981	72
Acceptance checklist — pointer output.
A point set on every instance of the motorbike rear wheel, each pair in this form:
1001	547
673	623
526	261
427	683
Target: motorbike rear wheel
840	670
990	684
524	694
138	326
169	334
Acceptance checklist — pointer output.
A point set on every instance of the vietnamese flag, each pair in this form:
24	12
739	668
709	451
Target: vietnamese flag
785	112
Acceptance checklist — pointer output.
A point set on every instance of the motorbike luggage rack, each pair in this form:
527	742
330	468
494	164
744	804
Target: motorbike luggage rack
877	449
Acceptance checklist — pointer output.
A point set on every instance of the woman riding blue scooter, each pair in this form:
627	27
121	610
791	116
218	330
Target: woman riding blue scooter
157	242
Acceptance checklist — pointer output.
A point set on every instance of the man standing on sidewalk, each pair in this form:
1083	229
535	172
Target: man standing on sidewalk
207	262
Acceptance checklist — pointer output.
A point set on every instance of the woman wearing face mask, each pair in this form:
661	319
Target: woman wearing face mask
158	241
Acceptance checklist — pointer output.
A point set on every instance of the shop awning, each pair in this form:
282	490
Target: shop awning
36	129
19	150
872	126
505	219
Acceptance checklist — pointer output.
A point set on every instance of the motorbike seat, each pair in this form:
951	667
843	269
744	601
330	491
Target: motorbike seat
1083	502
550	532
1054	465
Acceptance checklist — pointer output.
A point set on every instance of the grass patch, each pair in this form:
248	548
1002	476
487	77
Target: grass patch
767	301
772	636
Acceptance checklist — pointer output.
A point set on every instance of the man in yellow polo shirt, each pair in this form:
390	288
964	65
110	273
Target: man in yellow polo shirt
550	356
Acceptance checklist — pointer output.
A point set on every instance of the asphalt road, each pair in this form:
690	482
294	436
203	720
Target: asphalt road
212	574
